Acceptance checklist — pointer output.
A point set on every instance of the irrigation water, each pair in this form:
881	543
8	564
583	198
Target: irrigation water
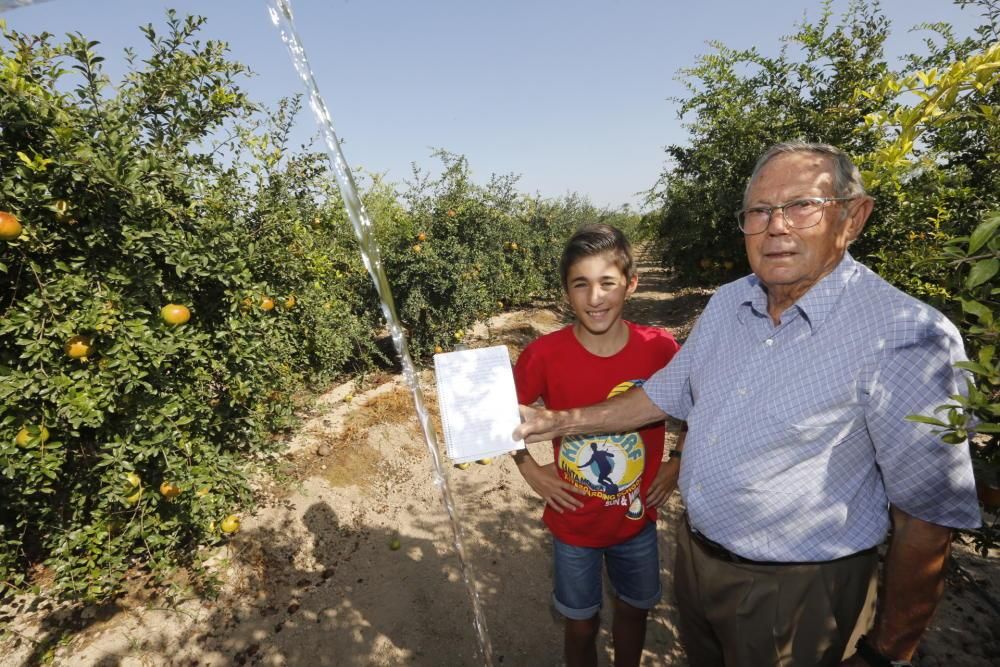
281	16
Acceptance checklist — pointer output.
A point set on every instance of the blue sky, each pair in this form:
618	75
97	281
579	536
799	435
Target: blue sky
570	94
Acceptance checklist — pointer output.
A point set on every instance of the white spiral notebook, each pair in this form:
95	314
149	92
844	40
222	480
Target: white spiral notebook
478	402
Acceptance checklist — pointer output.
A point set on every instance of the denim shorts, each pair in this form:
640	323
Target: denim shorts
633	568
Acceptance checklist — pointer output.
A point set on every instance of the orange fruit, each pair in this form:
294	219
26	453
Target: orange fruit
230	524
513	246
290	302
78	347
416	247
170	490
26	433
421	236
438	349
175	314
10	226
451	213
267	303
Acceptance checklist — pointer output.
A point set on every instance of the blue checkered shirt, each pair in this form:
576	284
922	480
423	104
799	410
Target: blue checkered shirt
797	436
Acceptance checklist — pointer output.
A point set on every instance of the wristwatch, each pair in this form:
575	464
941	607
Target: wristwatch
870	655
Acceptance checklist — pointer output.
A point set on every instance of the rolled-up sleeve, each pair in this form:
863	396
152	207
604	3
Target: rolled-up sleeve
924	476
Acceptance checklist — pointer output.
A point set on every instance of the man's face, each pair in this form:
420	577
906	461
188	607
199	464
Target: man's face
791	261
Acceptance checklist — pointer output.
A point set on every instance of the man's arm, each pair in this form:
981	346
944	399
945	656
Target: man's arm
625	412
913	581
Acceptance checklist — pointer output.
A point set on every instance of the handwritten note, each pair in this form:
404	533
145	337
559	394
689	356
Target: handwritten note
478	402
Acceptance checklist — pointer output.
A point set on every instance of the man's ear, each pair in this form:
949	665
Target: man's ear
858	215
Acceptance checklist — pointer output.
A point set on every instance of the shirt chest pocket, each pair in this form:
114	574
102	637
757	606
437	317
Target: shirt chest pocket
820	408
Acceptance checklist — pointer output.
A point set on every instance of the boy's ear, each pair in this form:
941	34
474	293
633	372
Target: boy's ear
632	284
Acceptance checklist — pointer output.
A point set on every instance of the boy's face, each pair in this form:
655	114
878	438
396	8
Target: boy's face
596	290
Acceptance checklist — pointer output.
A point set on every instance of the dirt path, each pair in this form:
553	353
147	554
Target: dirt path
312	580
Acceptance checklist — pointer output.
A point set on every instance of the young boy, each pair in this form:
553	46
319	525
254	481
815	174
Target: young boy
602	490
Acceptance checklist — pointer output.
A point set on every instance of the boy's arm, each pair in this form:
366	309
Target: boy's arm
545	481
666	478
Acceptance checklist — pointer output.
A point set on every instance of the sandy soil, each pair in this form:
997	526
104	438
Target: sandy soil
313	579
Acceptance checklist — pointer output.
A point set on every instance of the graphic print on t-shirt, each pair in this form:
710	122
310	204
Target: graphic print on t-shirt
608	466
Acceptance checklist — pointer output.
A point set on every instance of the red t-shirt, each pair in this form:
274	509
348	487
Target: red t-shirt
612	472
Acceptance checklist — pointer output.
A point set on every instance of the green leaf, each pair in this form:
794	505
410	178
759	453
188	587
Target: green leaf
926	420
982	271
983	233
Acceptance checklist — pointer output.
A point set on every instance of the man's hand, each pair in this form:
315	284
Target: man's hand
912	584
664	483
537	425
545	481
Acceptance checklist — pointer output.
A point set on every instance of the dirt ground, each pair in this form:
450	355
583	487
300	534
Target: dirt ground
312	578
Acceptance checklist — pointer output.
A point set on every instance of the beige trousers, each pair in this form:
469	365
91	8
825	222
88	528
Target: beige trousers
748	615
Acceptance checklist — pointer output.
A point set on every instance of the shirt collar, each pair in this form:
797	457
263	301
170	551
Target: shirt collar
815	305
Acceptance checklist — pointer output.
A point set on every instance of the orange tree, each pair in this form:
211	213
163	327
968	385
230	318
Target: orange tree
123	434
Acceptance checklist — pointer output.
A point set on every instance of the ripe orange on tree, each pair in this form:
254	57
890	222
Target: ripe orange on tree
290	302
78	347
170	490
267	303
421	236
10	226
175	314
25	435
416	247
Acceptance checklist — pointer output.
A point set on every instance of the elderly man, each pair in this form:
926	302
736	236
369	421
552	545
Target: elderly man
795	384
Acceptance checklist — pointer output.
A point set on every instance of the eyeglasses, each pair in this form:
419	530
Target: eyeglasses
798	214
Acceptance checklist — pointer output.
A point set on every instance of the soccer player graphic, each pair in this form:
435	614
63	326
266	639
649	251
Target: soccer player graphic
605	462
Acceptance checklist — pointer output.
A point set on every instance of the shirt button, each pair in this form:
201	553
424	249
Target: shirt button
769	342
742	391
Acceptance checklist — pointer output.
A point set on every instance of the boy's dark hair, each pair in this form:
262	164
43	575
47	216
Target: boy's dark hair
597	239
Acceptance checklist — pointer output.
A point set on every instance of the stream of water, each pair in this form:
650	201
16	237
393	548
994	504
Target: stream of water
281	16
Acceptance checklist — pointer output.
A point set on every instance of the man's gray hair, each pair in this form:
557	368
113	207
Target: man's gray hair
847	180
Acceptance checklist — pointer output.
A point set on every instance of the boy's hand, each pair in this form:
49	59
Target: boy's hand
664	483
546	482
